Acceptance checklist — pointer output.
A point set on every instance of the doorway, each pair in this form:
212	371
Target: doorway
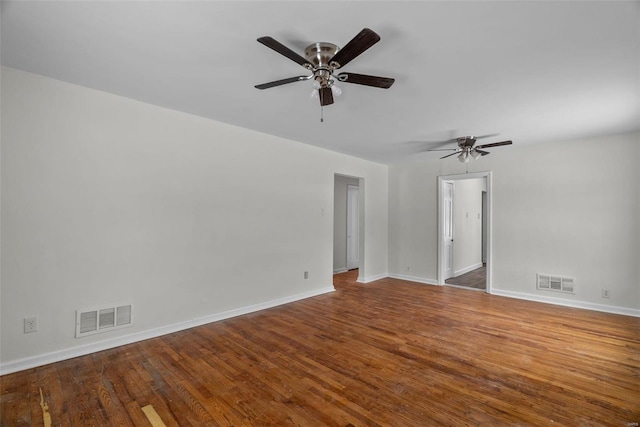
348	224
468	226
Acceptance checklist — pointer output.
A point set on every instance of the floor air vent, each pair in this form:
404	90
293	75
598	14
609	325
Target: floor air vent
549	282
89	322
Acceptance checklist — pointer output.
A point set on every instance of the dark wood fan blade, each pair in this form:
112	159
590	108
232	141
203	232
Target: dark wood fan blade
364	79
494	144
442	149
449	155
363	41
486	136
281	82
483	153
272	43
326	96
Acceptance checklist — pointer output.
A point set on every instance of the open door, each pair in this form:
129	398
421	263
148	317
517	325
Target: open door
484	227
447	232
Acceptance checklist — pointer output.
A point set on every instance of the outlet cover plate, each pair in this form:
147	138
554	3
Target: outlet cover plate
30	324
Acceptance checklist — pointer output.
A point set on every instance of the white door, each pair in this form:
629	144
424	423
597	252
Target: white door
353	256
448	230
484	227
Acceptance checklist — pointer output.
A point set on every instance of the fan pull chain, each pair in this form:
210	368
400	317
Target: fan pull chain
321	114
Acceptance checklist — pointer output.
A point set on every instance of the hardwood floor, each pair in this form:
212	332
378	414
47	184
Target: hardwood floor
385	353
476	279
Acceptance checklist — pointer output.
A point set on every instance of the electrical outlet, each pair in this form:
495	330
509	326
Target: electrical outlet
605	293
30	324
306	274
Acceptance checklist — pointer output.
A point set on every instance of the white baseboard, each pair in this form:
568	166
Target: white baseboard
340	270
373	278
423	280
467	269
57	356
568	303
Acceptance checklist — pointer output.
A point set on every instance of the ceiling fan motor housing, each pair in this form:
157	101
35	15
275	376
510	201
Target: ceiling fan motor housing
466	141
319	54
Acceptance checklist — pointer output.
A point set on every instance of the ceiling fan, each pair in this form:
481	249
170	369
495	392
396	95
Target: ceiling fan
323	59
467	148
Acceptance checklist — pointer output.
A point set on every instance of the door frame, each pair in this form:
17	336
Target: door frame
489	219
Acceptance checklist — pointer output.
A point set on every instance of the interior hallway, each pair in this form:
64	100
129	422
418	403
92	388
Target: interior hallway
476	279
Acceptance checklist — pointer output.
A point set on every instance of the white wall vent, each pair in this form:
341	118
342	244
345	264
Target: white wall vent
550	282
93	321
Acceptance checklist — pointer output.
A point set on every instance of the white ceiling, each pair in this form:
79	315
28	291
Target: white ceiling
530	71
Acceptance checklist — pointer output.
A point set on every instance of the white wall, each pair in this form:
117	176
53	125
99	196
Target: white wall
467	228
340	221
109	200
568	208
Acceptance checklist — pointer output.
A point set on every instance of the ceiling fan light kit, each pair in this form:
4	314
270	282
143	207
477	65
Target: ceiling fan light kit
322	59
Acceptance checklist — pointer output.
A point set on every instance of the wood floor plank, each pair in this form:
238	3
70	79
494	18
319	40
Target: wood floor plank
386	353
15	400
475	279
49	381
